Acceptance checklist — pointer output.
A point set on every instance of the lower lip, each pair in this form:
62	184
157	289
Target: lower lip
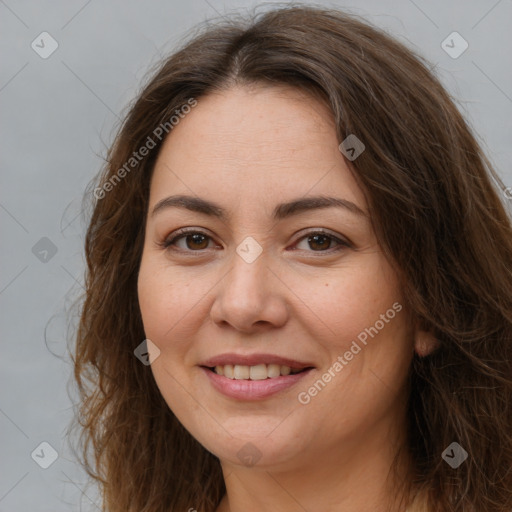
253	389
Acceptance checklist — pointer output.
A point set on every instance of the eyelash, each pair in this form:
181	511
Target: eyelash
181	233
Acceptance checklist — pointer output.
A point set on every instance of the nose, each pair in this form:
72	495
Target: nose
250	297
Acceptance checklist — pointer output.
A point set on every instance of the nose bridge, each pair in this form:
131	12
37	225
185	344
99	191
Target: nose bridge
246	278
247	294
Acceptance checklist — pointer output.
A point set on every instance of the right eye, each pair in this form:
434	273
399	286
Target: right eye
195	240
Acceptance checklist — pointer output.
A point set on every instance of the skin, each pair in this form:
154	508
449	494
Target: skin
249	149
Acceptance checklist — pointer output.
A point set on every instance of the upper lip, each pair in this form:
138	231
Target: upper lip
253	360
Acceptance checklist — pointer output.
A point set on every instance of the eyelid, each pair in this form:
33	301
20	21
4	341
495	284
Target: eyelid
340	240
319	231
167	242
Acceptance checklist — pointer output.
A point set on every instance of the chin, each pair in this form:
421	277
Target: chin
258	447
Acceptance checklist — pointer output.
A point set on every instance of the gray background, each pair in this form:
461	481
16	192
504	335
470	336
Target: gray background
58	115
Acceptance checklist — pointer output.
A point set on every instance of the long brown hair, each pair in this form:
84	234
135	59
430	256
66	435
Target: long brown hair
437	215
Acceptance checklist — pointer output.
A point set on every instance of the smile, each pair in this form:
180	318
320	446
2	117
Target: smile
253	376
256	372
246	389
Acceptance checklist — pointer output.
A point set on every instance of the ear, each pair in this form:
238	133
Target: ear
425	343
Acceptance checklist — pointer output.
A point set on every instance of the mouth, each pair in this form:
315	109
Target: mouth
254	377
255	372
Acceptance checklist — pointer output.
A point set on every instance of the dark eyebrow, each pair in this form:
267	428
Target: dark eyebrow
281	211
312	203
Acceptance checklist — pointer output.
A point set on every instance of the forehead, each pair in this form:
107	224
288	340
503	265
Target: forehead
254	144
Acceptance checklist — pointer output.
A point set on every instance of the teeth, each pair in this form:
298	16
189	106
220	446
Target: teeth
285	370
241	372
228	371
273	370
257	372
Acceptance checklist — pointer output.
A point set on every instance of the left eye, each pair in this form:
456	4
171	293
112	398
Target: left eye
196	241
319	241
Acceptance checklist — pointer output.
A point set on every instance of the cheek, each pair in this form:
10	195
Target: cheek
167	297
368	330
153	300
353	299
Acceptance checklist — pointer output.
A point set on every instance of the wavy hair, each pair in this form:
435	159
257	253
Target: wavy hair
437	215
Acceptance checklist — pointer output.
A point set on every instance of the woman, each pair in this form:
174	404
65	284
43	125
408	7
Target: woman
299	286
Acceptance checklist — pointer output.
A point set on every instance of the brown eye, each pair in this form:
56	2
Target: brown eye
194	241
321	242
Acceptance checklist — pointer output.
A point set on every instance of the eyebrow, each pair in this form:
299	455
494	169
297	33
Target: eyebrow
281	211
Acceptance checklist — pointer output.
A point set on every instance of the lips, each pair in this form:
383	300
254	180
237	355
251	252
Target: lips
254	360
255	376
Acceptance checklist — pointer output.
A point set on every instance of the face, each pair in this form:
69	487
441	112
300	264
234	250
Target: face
290	296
